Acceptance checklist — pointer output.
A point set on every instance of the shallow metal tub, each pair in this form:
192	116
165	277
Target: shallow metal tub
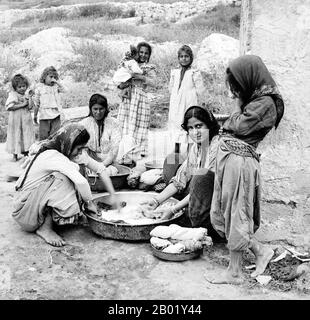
123	231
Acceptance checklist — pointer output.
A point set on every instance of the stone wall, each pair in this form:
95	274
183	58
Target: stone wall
150	11
279	32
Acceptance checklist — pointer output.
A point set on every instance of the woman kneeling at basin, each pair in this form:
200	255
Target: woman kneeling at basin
202	128
52	189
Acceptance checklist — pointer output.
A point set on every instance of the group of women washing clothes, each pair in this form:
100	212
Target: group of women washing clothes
219	181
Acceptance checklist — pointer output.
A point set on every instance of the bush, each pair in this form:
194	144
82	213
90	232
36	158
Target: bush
56	15
93	62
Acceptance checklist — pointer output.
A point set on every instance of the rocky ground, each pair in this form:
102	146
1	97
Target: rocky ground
90	267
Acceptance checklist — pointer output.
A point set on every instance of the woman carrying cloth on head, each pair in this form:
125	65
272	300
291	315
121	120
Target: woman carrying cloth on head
52	190
235	209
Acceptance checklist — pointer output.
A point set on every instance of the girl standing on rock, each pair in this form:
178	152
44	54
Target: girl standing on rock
186	87
235	209
134	110
20	134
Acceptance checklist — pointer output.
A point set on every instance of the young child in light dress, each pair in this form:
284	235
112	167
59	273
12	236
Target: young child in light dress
20	133
127	68
48	104
186	89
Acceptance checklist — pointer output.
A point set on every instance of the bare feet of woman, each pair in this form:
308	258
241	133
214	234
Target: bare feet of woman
263	256
233	274
48	234
226	277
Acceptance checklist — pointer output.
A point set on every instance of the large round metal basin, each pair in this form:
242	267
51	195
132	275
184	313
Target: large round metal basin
124	231
119	180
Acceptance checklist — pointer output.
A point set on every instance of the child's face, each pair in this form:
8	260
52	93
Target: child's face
21	88
184	59
50	79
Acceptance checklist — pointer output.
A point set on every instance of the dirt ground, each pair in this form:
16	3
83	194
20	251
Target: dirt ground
90	267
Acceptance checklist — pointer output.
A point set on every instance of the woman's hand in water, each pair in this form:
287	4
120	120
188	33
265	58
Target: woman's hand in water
164	213
91	208
150	204
115	203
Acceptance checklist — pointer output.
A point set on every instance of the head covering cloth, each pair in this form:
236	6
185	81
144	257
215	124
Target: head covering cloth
62	141
188	51
256	81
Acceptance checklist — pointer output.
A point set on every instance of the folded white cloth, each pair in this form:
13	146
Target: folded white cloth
151	176
176	232
160	243
175	248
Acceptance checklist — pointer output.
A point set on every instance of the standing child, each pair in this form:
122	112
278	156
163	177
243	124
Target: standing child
20	134
186	87
48	103
127	68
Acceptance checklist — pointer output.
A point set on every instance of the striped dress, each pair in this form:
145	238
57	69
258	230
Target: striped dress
134	112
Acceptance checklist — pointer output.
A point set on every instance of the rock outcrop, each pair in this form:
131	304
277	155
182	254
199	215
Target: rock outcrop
282	41
148	11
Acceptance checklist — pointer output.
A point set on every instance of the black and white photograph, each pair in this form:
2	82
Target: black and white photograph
155	155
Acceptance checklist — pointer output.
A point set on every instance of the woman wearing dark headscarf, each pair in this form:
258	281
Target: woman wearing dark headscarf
52	189
134	111
186	87
235	209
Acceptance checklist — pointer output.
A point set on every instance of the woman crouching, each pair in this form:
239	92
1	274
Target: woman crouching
52	189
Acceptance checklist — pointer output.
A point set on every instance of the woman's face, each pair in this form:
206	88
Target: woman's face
144	54
184	59
197	130
77	150
98	111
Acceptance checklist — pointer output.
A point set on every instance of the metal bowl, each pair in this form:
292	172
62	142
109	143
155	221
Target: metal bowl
123	231
155	164
119	180
183	256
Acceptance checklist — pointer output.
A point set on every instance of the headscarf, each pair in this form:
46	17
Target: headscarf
101	100
62	141
255	79
188	51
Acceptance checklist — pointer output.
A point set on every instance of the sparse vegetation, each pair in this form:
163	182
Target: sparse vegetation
94	62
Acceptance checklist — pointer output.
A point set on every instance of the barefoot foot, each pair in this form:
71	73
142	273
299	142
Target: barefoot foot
47	233
224	278
262	260
51	237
